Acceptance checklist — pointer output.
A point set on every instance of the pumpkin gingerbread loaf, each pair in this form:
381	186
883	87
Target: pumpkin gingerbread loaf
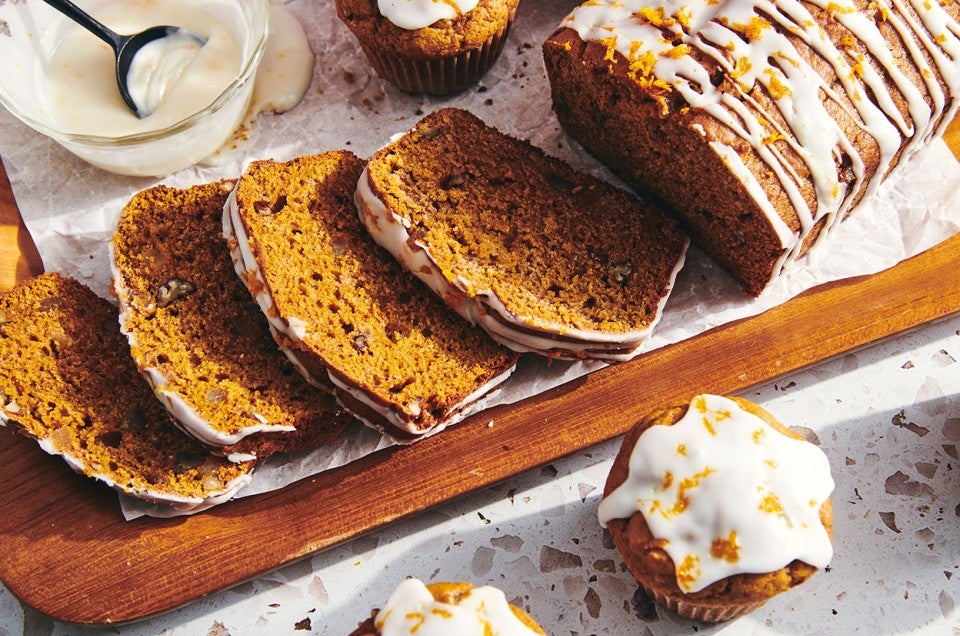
398	358
544	258
198	336
716	507
762	125
67	380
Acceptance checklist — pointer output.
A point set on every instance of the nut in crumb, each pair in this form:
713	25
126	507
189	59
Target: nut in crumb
5	400
359	342
621	272
265	207
172	290
429	132
216	394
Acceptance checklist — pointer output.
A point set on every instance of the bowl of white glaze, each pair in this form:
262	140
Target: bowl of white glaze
59	80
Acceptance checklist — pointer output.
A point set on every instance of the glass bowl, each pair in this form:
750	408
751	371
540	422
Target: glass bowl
29	35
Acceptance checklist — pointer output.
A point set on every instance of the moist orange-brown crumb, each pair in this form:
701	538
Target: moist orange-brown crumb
191	320
370	324
67	379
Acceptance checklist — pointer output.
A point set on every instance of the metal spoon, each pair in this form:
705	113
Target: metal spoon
125	47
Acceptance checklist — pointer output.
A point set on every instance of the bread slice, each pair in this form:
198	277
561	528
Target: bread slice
398	358
544	258
198	336
67	380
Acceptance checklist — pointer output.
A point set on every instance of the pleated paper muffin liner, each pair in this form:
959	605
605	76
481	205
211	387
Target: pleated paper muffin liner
707	614
441	76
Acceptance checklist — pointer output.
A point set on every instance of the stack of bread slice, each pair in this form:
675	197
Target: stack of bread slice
198	337
68	381
268	311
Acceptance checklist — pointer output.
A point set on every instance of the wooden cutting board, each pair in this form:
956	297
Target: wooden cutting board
66	550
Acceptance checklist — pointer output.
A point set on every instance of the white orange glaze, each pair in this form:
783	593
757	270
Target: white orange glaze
483	307
417	14
483	611
746	38
727	492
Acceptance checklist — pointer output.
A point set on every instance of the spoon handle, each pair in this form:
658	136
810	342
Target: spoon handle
82	18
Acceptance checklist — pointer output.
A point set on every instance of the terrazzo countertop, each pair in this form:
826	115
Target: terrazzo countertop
887	416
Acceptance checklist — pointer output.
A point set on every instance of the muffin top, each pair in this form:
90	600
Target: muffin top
451	608
417	14
725	492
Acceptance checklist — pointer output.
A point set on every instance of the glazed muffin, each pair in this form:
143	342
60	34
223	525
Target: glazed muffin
438	47
716	507
448	608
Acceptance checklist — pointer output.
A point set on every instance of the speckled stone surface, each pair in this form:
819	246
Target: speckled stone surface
887	416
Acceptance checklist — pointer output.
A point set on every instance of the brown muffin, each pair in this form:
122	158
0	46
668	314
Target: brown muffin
442	58
646	554
449	594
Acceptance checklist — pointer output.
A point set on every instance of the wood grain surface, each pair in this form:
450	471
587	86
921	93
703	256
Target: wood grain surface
66	551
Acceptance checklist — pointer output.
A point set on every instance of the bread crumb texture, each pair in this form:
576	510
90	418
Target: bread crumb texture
371	323
557	246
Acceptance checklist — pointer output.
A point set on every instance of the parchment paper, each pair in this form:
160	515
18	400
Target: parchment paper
71	208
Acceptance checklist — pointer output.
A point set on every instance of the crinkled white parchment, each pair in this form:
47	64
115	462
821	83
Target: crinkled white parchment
71	208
